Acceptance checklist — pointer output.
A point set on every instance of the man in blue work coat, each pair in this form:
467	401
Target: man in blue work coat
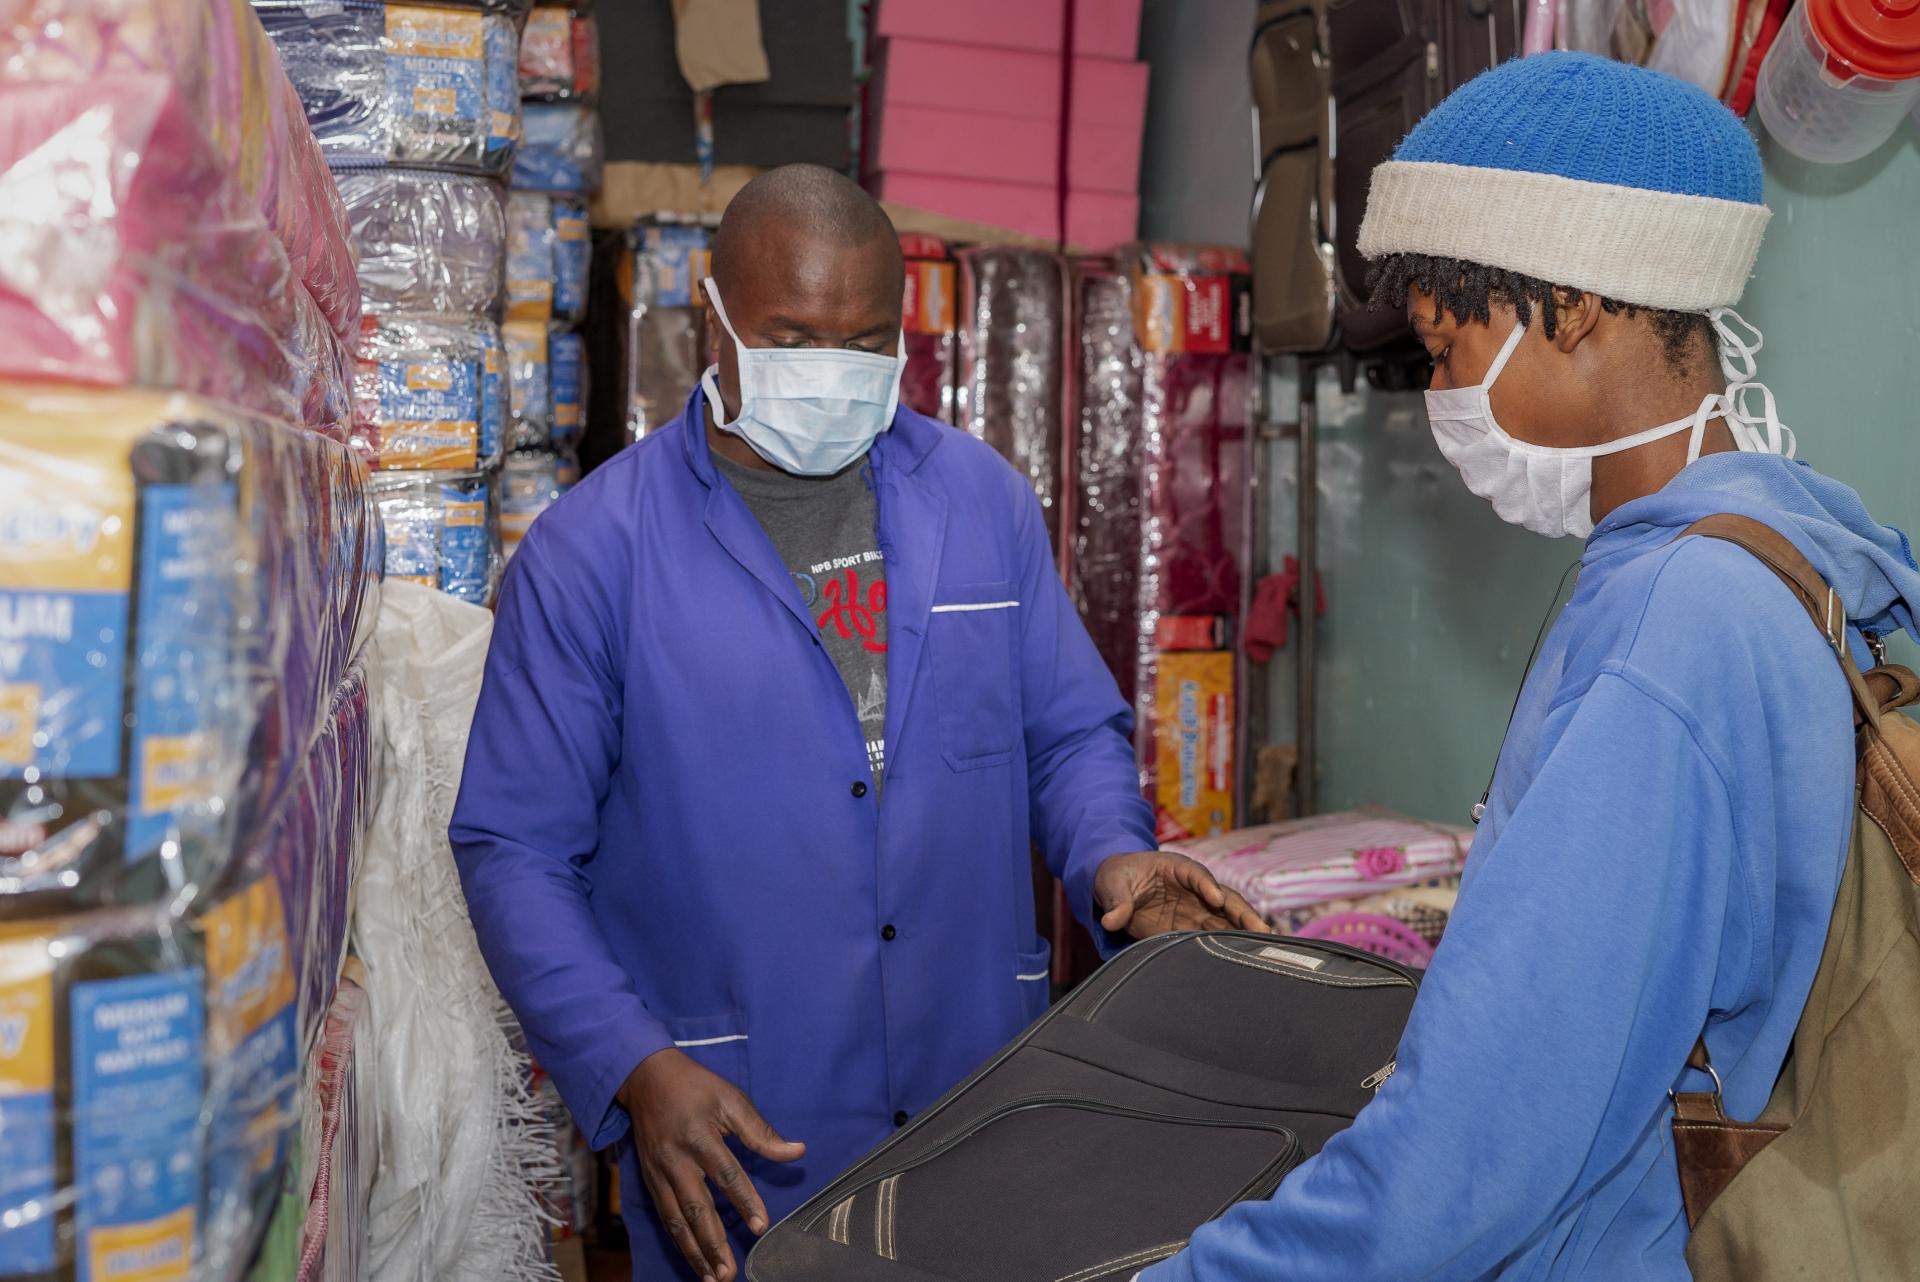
777	700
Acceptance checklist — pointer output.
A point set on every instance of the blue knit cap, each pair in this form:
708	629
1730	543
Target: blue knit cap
1583	172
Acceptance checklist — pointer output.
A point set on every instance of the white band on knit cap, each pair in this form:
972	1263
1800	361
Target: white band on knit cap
1650	248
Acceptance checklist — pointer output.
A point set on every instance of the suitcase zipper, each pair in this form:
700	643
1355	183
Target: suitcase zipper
1268	1178
1379	1077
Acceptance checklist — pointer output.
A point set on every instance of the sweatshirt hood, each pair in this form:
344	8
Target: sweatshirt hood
1869	564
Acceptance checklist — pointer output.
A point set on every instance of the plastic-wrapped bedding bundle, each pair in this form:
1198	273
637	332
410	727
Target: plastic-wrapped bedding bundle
1013	373
929	323
560	54
531	481
322	370
562	151
549	253
181	588
1357	864
442	531
665	337
132	259
430	393
176	88
546	365
1165	407
429	241
339	1146
420	84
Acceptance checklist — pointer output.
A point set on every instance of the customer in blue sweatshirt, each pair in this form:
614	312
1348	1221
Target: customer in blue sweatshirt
1666	829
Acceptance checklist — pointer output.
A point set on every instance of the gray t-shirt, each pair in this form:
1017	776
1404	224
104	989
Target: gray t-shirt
825	530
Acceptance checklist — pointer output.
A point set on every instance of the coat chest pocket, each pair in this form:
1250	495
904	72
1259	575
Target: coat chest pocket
970	647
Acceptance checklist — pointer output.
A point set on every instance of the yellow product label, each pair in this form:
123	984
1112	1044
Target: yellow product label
493	360
550	23
249	972
466	514
514	527
526	341
1193	742
415	31
574	227
66	493
429	378
433	446
503	125
532	299
157	1251
566	413
19	719
424	580
429	100
26	1015
173	771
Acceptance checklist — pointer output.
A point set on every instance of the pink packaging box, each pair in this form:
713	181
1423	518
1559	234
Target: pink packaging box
1101	219
1102	28
1005	149
1008	82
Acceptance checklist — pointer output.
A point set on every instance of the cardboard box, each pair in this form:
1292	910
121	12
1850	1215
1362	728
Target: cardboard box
1193	744
1102	28
1095	219
1101	219
1007	82
1003	149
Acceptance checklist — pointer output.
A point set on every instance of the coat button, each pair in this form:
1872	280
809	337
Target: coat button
887	932
900	1118
859	789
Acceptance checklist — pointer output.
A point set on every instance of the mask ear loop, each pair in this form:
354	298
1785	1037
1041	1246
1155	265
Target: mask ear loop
1701	417
1507	350
1736	353
1737	363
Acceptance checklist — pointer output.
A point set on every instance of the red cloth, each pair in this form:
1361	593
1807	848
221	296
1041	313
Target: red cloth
1272	598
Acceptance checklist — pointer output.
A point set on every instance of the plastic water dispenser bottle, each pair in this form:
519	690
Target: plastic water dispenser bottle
1841	77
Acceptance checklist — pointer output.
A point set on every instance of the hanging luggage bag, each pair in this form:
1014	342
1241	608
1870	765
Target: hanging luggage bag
1190	1073
1393	61
1293	294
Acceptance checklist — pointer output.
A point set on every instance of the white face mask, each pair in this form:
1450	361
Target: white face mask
811	411
1547	489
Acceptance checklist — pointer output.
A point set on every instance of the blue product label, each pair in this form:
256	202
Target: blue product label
136	1113
184	660
436	65
413	541
26	1106
503	85
566	364
493	403
427	413
62	661
572	253
669	256
464	541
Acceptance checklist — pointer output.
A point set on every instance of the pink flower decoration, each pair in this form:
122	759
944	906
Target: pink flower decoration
1379	862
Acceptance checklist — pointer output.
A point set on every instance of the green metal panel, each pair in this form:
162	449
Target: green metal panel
1434	603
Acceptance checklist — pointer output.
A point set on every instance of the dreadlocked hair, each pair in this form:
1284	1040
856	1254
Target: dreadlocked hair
1468	290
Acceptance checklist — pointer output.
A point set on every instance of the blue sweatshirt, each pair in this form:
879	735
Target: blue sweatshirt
1660	855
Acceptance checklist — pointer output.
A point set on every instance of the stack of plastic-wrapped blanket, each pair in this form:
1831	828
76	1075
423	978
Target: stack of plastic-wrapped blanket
189	565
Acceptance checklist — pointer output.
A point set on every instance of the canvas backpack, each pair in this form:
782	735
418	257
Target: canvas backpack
1825	1183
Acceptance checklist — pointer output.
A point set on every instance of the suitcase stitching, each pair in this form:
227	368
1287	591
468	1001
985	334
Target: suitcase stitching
838	1223
1149	1256
884	1202
1291	972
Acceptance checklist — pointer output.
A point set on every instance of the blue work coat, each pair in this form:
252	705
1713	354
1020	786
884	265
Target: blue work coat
666	831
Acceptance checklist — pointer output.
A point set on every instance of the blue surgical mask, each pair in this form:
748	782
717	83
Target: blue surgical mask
811	411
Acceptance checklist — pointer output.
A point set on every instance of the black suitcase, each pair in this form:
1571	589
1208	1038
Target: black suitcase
1393	61
1190	1073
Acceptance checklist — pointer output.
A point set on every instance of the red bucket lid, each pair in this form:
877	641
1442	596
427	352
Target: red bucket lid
1878	38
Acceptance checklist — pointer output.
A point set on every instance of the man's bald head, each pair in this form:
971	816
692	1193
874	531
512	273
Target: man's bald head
797	203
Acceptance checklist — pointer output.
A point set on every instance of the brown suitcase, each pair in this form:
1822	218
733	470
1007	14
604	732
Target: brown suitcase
1393	61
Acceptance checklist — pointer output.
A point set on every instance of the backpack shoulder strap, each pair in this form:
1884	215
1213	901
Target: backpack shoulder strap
1823	604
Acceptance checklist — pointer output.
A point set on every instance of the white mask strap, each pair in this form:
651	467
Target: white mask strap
1506	353
1736	351
720	309
1712	406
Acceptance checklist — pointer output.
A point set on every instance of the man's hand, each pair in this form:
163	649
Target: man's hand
1150	893
682	1115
